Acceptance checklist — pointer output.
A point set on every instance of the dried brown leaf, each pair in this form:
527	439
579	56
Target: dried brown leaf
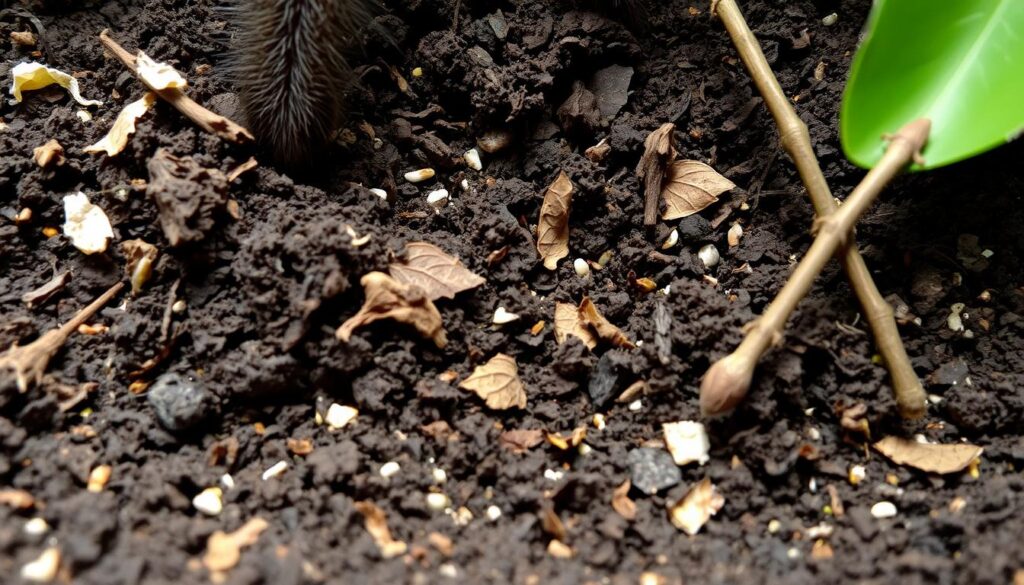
440	275
659	151
387	298
116	138
553	226
568	322
941	459
521	440
691	186
377	525
497	382
590	316
697	507
552	524
621	502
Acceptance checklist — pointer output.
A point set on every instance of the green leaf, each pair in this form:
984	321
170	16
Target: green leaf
959	63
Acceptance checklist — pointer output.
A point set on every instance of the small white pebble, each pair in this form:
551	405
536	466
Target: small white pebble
462	516
501	316
820	531
448	570
858	473
987	253
227	481
709	255
581	267
438	199
919	438
390	468
813	434
179	307
464	184
440	475
636	405
36	527
275	470
493	513
954	321
437	502
84	116
793	553
472	157
600	422
830	19
883	510
687	441
774	526
934	398
673	239
584	449
552	475
380	193
209	501
339	416
418	176
44	568
812	485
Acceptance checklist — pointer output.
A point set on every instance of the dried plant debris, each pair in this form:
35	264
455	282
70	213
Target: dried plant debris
386	298
23	367
694	510
521	440
30	76
138	267
929	457
590	317
188	196
437	273
86	224
687	441
49	154
553	225
377	525
498	383
691	186
621	502
568	322
38	296
157	75
124	126
224	550
659	152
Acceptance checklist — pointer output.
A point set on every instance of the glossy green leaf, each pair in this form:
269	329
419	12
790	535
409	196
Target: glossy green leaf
959	63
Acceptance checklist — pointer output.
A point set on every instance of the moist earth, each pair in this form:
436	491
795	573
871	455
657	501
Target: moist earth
229	350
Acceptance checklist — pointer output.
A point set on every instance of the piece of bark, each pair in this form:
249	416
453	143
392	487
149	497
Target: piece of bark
659	152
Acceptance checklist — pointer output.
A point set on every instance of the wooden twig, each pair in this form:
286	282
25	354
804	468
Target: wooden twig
205	119
27	364
796	140
727	381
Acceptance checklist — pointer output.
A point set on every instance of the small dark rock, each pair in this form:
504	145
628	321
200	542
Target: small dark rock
603	381
653	470
694	229
179	403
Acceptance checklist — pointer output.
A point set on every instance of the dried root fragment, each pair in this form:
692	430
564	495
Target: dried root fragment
386	298
124	126
377	525
659	151
224	550
25	366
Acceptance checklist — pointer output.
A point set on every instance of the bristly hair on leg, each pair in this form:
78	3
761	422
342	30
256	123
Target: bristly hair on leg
287	61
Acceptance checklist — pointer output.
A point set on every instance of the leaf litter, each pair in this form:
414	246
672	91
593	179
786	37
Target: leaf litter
553	225
932	458
386	298
437	273
497	383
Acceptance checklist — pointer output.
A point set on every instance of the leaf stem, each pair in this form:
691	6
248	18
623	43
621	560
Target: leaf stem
726	382
796	140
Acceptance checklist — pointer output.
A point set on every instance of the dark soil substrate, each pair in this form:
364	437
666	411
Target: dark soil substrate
264	294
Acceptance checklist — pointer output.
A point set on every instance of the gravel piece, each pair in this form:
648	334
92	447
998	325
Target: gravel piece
179	403
653	470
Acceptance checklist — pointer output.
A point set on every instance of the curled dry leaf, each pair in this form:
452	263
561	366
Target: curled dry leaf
49	154
377	525
521	440
621	502
158	75
497	382
659	151
437	273
124	126
553	226
691	186
928	457
697	507
223	550
29	76
604	329
387	298
568	322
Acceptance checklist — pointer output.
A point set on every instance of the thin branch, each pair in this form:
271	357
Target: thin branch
727	381
796	140
205	119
